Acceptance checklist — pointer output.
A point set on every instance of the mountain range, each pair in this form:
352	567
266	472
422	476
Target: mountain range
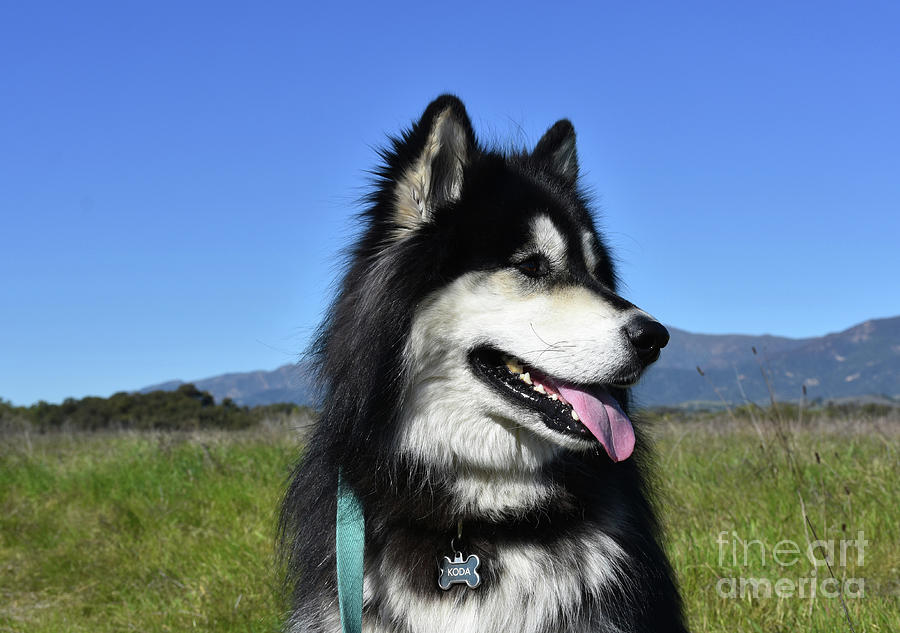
863	360
288	383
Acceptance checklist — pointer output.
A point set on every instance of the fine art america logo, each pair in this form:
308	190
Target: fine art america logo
829	560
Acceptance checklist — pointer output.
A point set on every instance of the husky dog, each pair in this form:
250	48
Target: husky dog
475	368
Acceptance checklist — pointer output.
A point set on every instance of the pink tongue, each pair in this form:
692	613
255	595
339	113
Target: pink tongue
603	417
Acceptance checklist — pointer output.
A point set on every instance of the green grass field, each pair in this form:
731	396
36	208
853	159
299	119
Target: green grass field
171	532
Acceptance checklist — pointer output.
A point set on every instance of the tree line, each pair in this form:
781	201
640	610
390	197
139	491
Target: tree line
186	408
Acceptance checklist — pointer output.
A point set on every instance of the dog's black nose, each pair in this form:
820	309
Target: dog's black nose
648	337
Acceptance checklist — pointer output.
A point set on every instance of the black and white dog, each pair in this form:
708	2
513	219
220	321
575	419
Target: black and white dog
475	368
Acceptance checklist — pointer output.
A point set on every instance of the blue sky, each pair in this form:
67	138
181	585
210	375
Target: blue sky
177	178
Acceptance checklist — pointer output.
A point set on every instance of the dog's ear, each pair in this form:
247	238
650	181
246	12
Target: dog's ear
556	149
440	145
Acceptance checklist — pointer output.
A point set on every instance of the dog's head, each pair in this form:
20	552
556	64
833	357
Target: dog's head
517	345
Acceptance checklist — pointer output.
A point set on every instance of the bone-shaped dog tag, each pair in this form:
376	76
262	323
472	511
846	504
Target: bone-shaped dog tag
459	571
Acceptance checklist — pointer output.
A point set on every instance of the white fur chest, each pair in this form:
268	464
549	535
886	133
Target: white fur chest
540	588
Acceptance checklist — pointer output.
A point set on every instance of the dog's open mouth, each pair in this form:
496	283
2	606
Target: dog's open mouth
583	411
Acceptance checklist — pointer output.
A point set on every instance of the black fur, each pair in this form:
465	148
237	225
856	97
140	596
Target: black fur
362	373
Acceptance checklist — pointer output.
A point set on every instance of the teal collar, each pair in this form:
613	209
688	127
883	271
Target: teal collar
350	537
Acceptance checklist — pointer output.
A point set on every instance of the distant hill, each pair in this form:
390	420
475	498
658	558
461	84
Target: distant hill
288	383
861	361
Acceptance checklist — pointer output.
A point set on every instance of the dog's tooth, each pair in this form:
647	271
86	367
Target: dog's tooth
513	366
526	378
575	415
540	389
553	396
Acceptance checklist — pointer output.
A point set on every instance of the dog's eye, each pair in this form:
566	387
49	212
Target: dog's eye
534	266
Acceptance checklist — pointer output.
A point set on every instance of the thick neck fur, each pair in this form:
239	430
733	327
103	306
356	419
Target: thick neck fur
591	509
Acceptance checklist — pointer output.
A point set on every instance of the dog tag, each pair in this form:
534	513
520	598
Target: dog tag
459	571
